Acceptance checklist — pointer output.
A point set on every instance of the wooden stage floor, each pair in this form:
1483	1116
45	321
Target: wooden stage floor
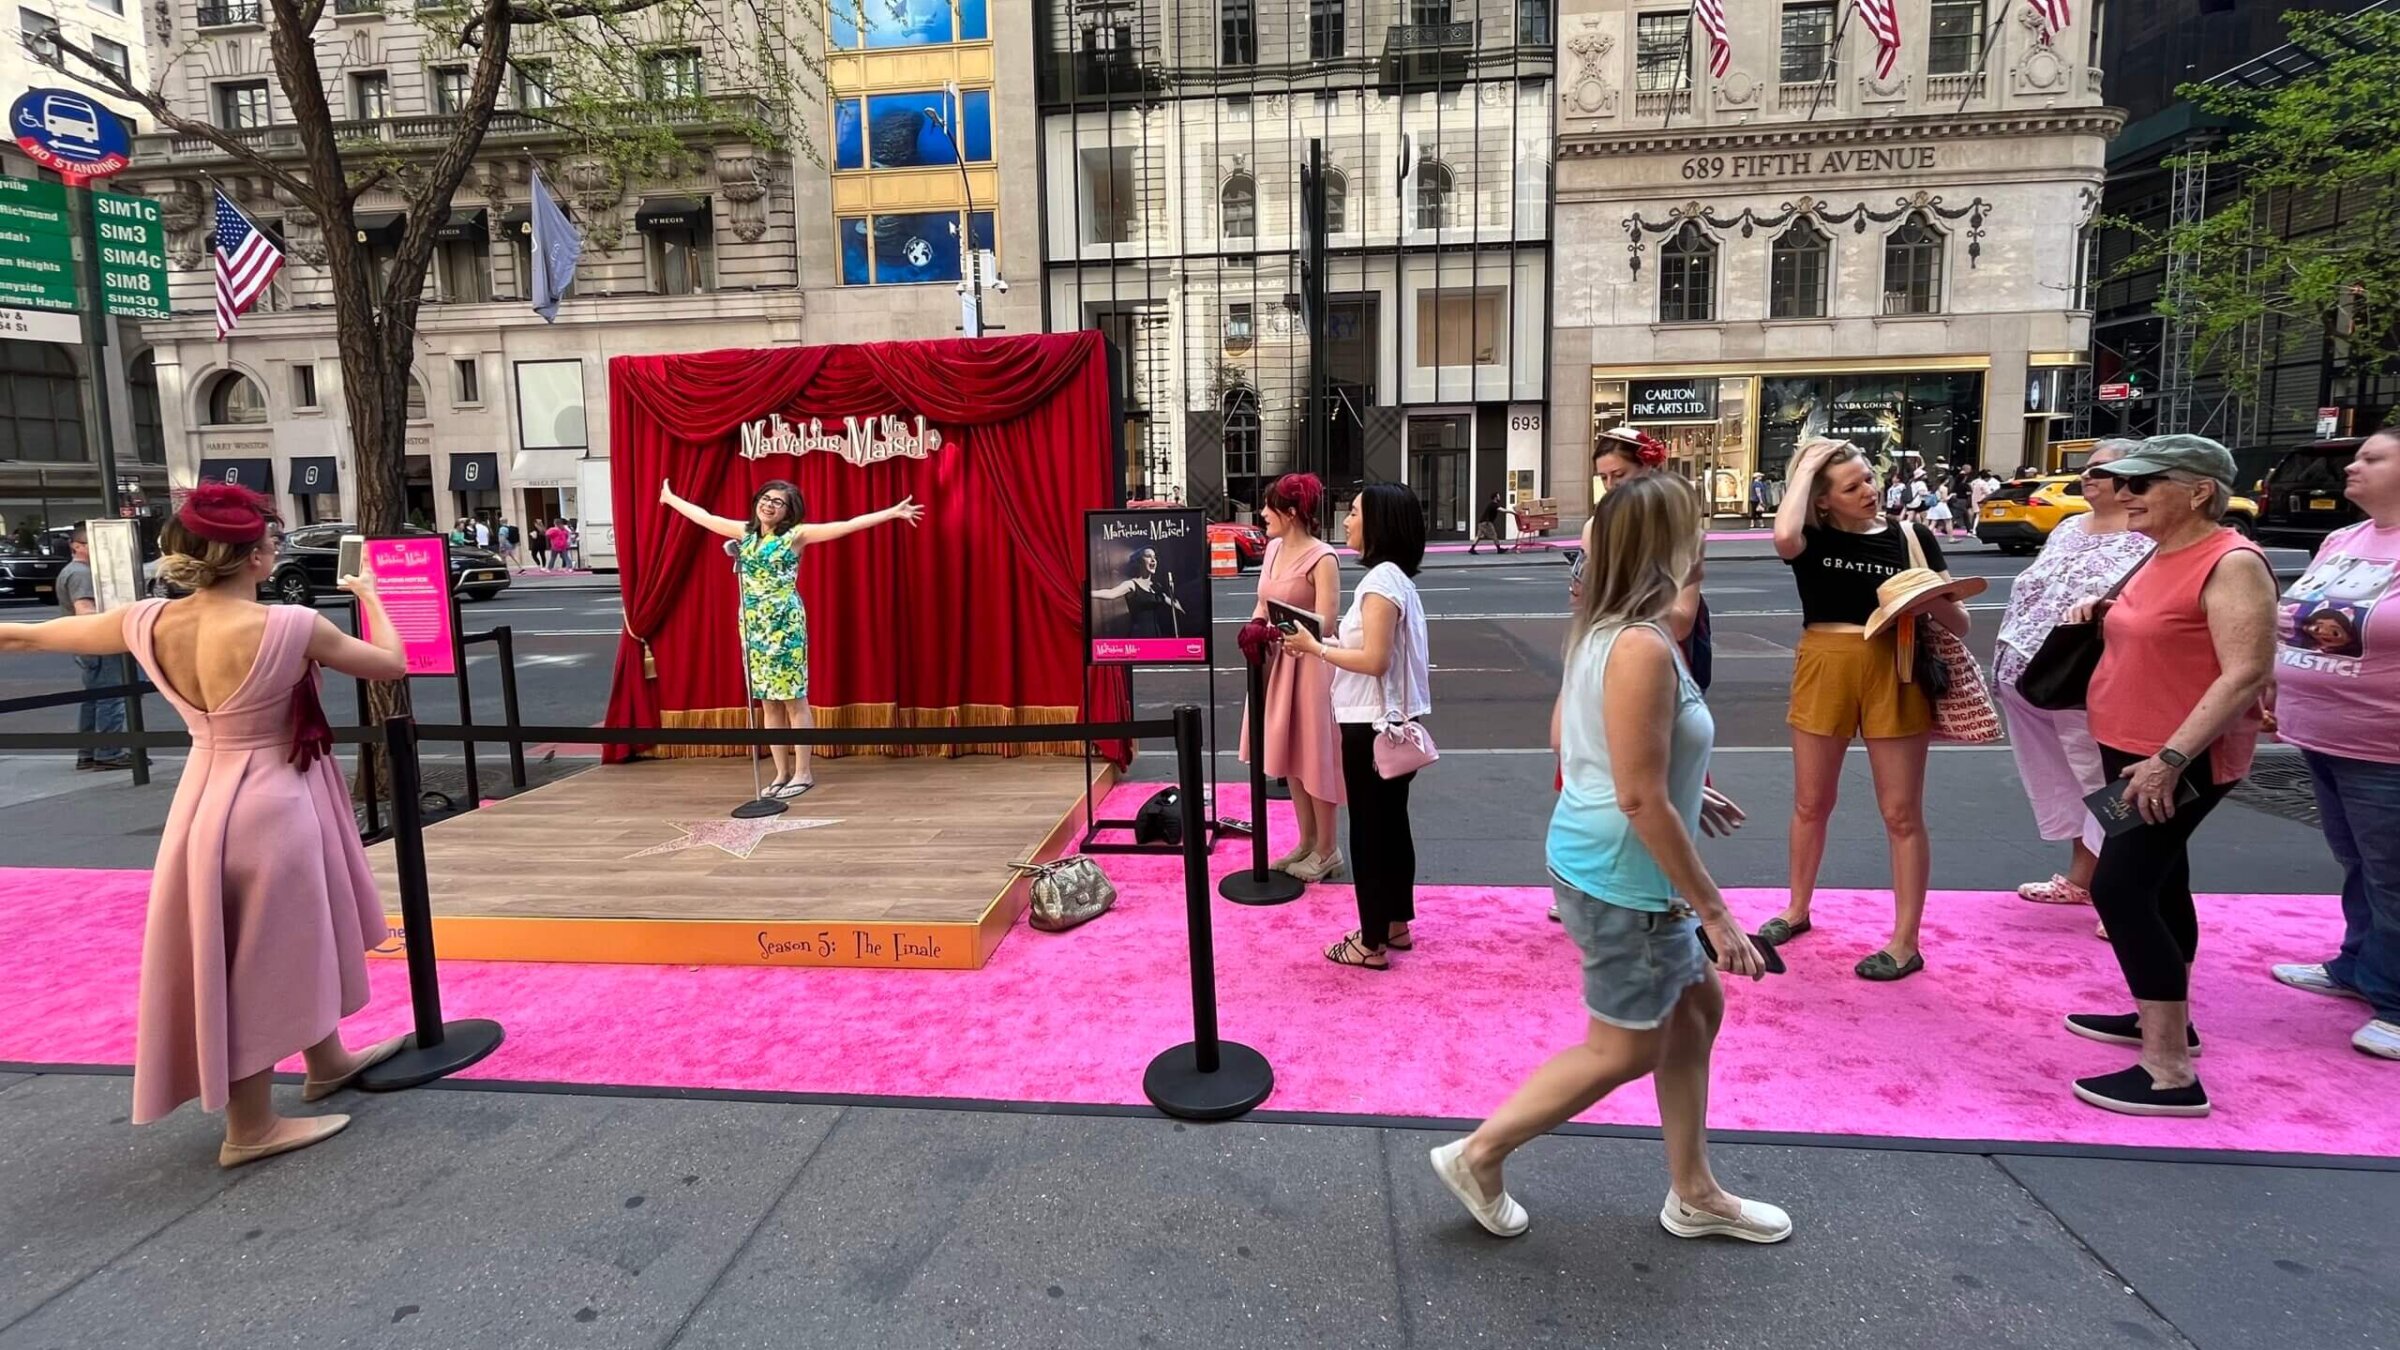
888	862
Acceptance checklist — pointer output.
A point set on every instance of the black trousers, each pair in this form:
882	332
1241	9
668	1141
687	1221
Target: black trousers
1383	852
2143	887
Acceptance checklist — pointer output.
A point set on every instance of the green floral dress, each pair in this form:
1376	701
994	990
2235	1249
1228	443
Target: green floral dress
774	622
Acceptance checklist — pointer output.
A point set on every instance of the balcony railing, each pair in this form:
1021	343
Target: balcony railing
1099	75
1959	88
228	13
1428	53
433	129
1410	37
358	6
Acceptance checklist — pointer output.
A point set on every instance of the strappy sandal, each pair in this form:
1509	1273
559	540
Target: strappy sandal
1405	942
1353	951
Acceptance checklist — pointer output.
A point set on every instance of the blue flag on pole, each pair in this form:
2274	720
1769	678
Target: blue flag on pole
557	247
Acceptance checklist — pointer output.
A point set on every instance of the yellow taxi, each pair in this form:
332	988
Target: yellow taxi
2020	515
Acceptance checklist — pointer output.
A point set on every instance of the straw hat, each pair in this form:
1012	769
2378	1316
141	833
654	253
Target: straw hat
1916	587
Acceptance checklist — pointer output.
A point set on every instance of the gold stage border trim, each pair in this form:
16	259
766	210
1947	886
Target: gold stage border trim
753	942
874	716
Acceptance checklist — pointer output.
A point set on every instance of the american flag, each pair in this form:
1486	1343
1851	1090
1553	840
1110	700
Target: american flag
1711	14
2056	14
1883	20
246	261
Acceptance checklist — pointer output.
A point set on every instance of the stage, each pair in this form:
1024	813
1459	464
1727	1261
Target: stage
888	863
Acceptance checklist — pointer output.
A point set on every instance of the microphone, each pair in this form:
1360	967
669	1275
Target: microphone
1174	610
733	548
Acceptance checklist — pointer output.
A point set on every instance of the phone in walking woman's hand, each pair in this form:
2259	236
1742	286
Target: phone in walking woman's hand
1770	959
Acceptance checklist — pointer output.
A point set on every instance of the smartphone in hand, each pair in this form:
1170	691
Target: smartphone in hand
353	556
1772	959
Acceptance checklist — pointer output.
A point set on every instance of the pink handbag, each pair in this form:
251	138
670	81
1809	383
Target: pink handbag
1401	746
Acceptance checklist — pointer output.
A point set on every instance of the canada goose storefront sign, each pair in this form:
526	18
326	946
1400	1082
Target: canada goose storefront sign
860	440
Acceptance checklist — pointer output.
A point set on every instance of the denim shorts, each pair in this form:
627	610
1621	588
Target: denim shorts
1636	963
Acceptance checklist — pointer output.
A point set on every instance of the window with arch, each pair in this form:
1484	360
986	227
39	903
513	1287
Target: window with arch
1435	186
1912	267
149	428
1687	276
1241	440
235	400
1337	201
1237	206
41	406
416	399
1799	266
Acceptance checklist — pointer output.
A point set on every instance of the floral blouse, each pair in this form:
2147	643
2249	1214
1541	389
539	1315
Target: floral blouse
2075	566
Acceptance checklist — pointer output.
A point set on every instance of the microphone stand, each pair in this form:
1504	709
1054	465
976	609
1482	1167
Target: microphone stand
758	807
1174	609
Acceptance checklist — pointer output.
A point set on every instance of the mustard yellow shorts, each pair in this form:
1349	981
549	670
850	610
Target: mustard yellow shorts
1847	685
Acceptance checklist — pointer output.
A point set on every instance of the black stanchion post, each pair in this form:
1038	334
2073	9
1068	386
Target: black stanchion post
437	1048
466	702
1205	1078
506	637
366	768
126	674
1259	885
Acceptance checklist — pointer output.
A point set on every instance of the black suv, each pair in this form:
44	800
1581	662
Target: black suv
304	570
2300	500
32	573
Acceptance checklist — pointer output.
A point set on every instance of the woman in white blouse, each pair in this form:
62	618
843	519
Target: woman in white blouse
1380	669
2056	755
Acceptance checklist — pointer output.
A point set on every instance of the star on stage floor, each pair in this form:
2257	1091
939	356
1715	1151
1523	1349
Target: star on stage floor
736	837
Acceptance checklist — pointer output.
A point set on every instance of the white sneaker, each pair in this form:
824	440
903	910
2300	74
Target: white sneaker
1760	1221
2379	1038
1502	1217
2314	979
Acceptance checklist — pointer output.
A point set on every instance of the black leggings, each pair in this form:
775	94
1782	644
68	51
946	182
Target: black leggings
2143	887
1383	852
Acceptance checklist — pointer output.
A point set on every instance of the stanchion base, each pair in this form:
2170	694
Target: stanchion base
463	1042
1255	888
1279	789
758	808
1176	1086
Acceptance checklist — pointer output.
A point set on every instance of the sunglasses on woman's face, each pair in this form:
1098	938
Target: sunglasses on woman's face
2139	484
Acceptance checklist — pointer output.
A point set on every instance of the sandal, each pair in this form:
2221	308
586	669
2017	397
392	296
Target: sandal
1883	968
1405	942
1352	951
1779	930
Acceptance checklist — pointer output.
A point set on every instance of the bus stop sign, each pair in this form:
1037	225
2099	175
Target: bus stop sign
72	134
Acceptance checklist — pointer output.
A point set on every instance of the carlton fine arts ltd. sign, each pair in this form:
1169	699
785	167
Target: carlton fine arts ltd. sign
862	441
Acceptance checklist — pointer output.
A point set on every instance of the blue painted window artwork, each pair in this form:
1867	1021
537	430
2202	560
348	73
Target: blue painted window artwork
915	248
982	226
978	135
903	131
854	251
849	136
908	23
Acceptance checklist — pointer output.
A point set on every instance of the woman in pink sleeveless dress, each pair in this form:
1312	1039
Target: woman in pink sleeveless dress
1302	744
262	908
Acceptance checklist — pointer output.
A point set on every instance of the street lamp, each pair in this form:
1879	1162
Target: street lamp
970	286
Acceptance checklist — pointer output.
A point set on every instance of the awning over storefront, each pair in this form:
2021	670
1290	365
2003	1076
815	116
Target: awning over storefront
258	475
551	468
466	226
672	213
380	229
517	220
474	473
317	475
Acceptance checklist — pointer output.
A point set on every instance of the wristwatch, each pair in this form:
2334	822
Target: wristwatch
2175	759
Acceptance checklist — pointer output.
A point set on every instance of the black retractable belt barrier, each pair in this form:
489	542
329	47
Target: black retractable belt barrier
1205	1078
437	1049
1259	886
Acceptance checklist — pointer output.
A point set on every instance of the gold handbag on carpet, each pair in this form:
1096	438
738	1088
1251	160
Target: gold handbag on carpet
1068	893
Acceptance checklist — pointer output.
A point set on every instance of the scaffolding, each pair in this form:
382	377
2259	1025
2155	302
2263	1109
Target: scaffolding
2187	203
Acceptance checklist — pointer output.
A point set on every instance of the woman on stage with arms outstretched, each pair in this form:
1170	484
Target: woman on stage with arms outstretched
774	621
262	907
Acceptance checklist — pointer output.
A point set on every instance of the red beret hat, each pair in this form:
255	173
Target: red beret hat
224	513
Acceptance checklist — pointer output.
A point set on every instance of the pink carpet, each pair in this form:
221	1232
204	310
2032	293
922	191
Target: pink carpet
1972	1049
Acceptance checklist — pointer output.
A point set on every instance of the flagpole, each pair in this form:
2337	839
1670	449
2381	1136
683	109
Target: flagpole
1683	69
1991	39
1833	59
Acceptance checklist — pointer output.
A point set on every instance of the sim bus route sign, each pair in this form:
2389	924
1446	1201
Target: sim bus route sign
133	255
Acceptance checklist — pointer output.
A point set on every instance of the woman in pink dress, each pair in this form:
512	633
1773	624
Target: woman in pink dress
1301	743
262	908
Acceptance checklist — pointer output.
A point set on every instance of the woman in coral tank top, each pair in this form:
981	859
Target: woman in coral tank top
2175	706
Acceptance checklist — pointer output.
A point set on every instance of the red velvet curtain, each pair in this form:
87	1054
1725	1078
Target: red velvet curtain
973	618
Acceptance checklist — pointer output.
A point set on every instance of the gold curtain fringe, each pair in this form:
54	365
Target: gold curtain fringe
874	716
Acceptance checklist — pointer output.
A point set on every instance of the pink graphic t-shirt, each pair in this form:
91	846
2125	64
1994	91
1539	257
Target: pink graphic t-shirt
2337	657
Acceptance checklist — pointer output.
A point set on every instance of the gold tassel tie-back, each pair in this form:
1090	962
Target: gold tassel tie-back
873	716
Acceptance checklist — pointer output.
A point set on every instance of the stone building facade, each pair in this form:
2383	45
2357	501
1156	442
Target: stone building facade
1805	246
734	245
1173	140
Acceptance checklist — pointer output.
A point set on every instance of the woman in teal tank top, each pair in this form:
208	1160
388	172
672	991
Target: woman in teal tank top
1634	739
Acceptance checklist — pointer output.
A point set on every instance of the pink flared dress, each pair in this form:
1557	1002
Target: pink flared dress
1302	743
262	908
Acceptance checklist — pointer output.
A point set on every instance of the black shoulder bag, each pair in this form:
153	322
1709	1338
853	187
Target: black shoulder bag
2059	676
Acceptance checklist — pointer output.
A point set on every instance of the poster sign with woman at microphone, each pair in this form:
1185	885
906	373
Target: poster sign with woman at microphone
1147	594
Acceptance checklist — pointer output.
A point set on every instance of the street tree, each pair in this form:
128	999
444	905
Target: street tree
2307	241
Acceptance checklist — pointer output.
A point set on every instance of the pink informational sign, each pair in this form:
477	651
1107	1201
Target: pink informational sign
412	574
